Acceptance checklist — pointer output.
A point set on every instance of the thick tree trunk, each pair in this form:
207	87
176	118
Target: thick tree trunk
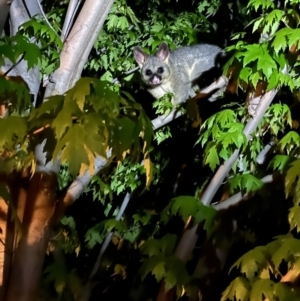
3	219
29	254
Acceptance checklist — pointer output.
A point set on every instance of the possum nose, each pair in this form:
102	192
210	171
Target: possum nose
155	79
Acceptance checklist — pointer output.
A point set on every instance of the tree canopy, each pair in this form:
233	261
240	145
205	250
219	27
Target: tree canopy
106	192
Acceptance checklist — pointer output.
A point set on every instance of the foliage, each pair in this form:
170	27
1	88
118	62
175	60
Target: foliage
167	176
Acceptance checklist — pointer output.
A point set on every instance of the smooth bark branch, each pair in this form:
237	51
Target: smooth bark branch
81	182
72	8
18	16
265	152
108	237
4	9
78	45
238	197
162	120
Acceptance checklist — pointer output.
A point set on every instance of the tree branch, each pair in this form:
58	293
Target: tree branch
4	9
224	169
72	9
78	46
238	197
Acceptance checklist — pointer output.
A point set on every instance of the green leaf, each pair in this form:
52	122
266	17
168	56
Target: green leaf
252	262
184	206
151	247
212	158
168	243
294	218
285	293
207	214
159	271
239	290
280	41
289	250
262	288
253	53
292	177
247	183
280	162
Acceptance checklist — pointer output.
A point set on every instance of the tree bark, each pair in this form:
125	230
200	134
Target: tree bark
30	252
3	219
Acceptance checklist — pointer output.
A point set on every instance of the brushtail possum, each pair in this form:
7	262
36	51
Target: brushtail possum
175	71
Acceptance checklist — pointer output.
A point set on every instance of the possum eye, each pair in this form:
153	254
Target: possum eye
160	70
148	72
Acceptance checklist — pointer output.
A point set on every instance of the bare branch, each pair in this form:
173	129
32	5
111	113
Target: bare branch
265	152
238	197
4	9
78	45
72	9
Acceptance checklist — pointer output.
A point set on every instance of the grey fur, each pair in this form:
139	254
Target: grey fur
181	68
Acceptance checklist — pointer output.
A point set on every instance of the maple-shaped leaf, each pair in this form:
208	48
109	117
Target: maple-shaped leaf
79	92
32	55
93	237
211	156
177	268
273	80
151	247
294	217
288	251
238	290
62	123
280	162
184	206
292	177
255	77
207	214
262	288
124	133
225	117
150	263
113	224
48	109
294	37
253	53
252	262
246	183
168	243
289	141
170	281
15	132
159	271
284	292
245	73
281	39
58	274
296	269
267	64
133	234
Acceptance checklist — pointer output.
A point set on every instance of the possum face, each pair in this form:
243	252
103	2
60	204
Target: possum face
155	69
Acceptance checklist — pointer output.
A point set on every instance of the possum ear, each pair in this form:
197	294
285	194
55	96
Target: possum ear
163	52
140	56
